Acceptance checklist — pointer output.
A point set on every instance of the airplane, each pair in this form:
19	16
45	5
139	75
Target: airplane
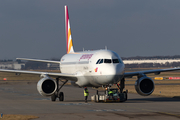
97	68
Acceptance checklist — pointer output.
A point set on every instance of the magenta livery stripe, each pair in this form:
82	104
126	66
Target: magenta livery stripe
66	20
69	43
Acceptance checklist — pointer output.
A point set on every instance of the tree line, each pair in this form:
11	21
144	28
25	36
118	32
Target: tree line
41	65
151	57
154	65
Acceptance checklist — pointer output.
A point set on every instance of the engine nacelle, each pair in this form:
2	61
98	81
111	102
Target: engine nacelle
144	86
46	86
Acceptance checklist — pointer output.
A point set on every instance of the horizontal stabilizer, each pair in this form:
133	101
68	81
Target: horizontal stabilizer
38	60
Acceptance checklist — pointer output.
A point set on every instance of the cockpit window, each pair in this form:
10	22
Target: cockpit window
115	60
98	61
107	60
101	61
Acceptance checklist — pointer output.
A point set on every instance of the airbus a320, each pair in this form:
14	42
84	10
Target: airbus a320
95	68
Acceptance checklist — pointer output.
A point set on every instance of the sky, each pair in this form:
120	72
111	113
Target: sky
36	28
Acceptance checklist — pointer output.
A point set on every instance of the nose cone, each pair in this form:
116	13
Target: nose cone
113	73
119	69
109	74
114	69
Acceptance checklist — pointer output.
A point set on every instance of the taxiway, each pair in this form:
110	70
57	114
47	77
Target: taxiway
23	98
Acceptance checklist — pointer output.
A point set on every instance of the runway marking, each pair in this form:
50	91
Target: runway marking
106	110
75	104
42	98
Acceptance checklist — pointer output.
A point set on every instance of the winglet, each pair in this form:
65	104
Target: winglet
69	43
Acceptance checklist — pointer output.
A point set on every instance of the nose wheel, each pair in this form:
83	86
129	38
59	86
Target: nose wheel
58	94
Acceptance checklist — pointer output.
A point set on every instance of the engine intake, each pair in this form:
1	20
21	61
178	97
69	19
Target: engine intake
46	86
144	86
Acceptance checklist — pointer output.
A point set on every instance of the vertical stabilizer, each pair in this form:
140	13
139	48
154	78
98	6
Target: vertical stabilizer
69	43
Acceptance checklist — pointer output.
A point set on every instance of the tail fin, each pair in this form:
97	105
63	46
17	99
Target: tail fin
69	43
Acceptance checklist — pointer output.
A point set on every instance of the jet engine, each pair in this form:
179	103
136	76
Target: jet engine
46	86
144	86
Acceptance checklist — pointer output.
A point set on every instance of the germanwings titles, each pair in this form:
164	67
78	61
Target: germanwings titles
89	68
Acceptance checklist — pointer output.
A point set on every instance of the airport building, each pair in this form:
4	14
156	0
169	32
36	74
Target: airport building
12	65
52	66
160	61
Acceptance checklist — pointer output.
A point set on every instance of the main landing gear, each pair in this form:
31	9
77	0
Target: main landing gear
121	88
58	94
121	85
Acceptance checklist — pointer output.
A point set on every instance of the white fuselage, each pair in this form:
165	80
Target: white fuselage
93	68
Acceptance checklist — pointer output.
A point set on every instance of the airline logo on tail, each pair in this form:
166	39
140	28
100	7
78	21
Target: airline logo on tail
68	32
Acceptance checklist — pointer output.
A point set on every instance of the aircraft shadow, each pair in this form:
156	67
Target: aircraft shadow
140	100
155	99
75	100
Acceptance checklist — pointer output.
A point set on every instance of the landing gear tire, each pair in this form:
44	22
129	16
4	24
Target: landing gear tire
61	96
97	98
125	95
53	97
58	94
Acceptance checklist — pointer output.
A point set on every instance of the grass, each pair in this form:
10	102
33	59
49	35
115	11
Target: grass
18	117
161	90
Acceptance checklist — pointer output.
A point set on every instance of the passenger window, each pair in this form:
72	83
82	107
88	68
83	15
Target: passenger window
101	61
97	61
107	60
115	60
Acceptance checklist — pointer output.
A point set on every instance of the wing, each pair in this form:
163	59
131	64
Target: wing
67	76
38	60
158	71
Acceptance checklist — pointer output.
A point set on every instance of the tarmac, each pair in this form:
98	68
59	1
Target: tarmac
23	98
